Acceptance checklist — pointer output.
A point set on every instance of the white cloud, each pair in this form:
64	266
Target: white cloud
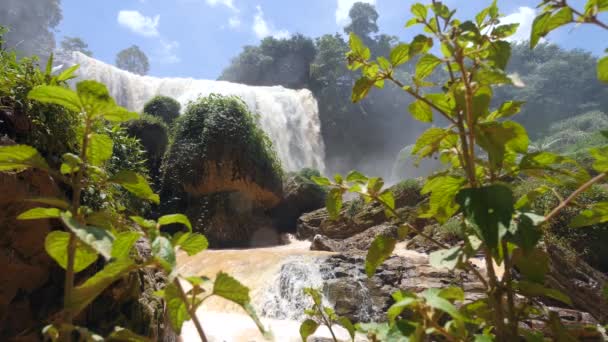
343	7
139	23
234	22
524	16
227	3
262	29
167	52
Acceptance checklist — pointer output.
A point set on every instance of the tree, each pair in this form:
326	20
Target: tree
163	107
363	20
134	60
71	44
30	24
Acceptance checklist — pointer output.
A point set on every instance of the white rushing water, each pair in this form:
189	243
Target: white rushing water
289	117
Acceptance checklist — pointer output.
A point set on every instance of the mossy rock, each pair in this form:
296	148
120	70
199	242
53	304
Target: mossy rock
220	164
153	134
163	107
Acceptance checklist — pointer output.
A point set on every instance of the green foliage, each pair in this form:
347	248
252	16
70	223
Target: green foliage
483	154
163	107
134	60
322	315
92	230
51	129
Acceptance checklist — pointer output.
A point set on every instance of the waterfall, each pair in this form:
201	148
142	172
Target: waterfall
289	117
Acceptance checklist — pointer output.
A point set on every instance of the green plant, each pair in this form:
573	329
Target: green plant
322	315
89	232
163	107
483	150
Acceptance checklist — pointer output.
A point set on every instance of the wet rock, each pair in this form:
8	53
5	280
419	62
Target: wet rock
360	242
300	195
356	216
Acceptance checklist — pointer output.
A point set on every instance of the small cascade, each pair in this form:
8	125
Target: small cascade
289	117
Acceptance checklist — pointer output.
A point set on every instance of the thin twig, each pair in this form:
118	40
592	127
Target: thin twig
572	196
191	310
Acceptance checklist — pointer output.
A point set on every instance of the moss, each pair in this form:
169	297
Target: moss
163	107
152	133
218	147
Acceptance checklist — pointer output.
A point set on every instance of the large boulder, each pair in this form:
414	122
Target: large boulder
357	216
357	242
221	171
300	195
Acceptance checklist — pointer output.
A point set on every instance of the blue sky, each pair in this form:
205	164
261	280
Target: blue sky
197	38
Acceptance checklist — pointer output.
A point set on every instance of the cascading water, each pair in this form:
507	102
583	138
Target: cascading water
289	117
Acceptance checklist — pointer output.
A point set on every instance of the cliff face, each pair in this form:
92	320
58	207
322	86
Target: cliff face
222	171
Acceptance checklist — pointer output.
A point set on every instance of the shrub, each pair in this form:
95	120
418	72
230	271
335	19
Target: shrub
50	128
163	107
153	135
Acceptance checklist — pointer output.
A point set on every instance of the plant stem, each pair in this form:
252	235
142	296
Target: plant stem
572	196
469	118
191	310
507	279
495	298
77	188
327	323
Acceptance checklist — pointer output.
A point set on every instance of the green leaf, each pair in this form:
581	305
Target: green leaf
419	10
56	245
229	288
175	218
598	213
533	265
119	114
445	102
400	54
322	181
84	294
559	18
381	248
426	65
387	199
421	111
348	325
56	95
163	252
361	89
68	73
333	203
504	31
40	213
499	54
447	258
403	300
602	69
524	231
420	44
148	224
99	239
136	184
176	308
71	164
356	177
123	243
434	300
429	141
358	48
443	190
20	157
528	199
488	210
307	328
601	158
497	138
99	149
481	102
507	109
539	28
532	289
94	97
55	202
491	76
194	243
